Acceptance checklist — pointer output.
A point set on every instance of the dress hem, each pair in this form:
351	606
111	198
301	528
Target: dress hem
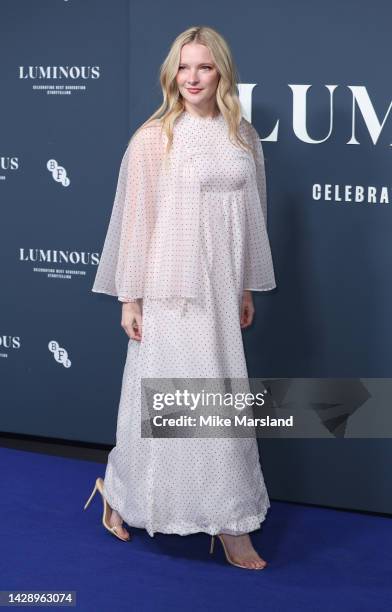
241	526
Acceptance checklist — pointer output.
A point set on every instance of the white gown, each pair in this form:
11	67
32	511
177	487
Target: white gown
189	485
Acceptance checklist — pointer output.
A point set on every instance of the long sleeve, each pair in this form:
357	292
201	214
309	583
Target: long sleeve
260	172
258	265
125	299
124	258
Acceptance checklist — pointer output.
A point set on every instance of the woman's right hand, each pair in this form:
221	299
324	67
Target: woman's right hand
131	320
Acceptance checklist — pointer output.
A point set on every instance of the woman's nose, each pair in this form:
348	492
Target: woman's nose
192	80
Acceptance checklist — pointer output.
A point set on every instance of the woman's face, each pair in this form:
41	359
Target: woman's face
197	77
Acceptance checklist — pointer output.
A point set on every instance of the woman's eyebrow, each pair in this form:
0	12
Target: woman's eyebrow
202	64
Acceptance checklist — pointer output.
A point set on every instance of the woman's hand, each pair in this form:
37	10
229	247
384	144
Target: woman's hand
247	309
131	319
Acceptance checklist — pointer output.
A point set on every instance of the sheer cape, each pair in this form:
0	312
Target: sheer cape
151	247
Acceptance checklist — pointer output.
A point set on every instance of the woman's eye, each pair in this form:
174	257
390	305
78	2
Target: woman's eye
208	67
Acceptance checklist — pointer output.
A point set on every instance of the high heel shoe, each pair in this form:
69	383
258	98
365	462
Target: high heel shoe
229	559
106	511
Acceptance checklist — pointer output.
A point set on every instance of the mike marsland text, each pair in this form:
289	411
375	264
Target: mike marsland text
217	421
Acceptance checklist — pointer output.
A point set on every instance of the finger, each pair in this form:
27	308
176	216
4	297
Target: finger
133	334
137	331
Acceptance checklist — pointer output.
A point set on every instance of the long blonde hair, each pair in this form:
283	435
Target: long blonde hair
227	97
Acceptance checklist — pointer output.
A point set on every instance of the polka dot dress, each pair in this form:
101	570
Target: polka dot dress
189	485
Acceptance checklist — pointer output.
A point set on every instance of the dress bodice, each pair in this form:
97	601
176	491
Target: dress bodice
221	166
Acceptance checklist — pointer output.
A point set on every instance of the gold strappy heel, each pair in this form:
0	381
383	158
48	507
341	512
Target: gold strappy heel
106	510
229	559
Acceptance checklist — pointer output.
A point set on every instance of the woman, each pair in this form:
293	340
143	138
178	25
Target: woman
185	248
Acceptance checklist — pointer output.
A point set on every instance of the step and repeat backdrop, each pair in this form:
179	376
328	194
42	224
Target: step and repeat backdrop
77	78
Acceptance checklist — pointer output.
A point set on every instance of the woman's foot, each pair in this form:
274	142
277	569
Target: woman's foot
240	549
116	521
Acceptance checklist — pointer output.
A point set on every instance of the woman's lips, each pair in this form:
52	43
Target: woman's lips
193	90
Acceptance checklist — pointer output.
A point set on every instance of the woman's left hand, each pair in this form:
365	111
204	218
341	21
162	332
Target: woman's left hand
247	309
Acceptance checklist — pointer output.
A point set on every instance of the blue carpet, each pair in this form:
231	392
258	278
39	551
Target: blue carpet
319	559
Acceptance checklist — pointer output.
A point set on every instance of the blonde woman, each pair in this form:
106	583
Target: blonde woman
185	247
